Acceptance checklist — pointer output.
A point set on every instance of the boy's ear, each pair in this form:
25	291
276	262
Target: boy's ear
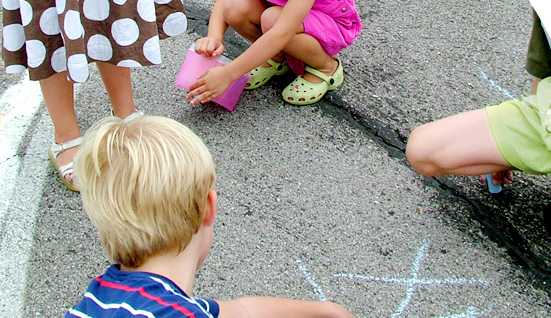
210	213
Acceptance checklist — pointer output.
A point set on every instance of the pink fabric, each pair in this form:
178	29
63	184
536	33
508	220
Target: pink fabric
334	23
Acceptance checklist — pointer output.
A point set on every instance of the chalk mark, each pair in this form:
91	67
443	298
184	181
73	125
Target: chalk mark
493	83
310	279
413	281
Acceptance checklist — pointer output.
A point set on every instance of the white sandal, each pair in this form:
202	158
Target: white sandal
67	169
130	117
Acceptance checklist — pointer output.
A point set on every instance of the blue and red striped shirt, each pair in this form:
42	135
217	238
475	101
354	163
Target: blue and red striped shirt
138	294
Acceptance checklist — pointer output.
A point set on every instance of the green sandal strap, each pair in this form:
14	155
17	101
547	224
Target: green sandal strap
277	66
318	74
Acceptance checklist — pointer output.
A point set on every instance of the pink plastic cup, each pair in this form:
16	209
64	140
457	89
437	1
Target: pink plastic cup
196	65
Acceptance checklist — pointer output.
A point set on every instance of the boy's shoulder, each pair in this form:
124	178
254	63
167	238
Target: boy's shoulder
127	294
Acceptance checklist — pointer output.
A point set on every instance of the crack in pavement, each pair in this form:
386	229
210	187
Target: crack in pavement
500	231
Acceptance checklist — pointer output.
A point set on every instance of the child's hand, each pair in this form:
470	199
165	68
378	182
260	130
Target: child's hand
209	85
498	177
209	47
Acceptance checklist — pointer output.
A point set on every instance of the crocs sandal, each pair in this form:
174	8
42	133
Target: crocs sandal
261	75
302	92
67	169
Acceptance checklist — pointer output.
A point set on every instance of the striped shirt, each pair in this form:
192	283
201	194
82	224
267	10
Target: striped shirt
138	294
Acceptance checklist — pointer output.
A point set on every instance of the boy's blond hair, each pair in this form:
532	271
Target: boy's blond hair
144	185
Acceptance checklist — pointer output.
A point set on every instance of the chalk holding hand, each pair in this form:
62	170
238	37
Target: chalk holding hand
491	186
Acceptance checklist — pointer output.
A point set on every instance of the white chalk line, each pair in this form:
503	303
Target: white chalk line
493	83
310	279
411	287
414	281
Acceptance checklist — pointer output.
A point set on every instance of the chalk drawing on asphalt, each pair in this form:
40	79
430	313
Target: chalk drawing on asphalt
414	280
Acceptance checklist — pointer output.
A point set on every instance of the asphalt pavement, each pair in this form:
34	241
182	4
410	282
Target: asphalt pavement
315	202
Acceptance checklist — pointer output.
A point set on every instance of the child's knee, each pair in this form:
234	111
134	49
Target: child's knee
235	12
419	155
269	17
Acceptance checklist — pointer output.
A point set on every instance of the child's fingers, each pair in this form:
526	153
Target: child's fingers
219	50
202	98
211	48
483	180
507	177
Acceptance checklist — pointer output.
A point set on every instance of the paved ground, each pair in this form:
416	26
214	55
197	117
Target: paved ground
315	202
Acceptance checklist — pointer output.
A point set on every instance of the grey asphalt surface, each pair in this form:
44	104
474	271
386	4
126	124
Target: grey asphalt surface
316	202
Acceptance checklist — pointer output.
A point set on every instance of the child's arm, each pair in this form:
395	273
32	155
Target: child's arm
265	307
211	45
216	80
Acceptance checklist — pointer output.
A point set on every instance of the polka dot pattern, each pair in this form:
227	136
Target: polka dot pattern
60	6
152	50
175	24
96	10
12	69
146	10
125	31
48	22
26	13
72	25
13	37
52	36
58	60
36	52
99	48
10	4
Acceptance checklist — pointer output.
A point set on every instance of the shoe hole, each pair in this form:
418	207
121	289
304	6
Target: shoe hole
311	98
301	99
256	83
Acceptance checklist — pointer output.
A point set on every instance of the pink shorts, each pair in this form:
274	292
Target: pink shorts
335	24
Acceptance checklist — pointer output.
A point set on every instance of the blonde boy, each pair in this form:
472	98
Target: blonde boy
148	187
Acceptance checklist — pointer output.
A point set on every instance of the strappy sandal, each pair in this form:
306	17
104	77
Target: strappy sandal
261	75
130	117
67	169
302	92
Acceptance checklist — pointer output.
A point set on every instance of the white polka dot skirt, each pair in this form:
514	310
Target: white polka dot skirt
52	36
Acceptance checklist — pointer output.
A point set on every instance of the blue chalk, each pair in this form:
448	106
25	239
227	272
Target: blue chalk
491	186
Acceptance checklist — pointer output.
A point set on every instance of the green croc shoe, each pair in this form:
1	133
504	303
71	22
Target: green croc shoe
302	92
261	75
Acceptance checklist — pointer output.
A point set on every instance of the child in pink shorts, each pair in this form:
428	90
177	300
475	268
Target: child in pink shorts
301	35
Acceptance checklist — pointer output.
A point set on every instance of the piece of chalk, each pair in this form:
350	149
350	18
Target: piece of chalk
491	186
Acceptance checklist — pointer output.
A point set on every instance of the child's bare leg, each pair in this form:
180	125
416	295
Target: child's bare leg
462	144
307	49
118	85
244	16
59	99
303	46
